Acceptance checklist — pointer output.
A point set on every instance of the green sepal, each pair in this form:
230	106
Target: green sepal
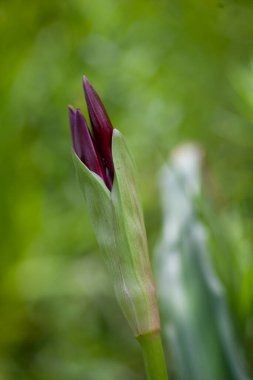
136	294
97	198
118	223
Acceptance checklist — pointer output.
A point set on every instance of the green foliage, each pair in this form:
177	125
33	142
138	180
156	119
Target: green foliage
167	71
196	323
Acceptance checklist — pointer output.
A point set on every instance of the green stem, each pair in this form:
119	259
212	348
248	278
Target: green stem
153	356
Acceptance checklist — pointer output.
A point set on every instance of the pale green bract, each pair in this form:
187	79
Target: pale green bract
118	223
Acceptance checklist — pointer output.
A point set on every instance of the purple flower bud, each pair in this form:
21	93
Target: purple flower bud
117	215
101	125
94	150
83	144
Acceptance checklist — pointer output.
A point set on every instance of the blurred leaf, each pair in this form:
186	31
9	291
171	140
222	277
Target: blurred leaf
195	319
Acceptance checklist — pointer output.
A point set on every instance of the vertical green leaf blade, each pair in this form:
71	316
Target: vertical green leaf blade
196	322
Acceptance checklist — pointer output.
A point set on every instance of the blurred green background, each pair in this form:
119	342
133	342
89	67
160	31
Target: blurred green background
168	71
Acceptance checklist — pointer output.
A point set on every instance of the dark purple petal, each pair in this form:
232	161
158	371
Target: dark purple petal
101	125
107	177
83	144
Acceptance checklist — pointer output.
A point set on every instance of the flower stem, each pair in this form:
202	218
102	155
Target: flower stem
153	355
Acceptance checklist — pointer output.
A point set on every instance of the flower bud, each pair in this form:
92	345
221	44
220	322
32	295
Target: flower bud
117	219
